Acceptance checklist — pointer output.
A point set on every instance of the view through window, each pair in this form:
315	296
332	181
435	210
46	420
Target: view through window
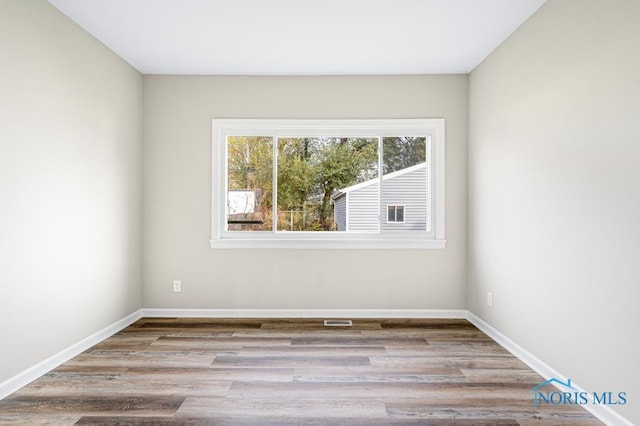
313	174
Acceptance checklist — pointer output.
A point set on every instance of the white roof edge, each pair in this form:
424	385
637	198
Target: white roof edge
384	177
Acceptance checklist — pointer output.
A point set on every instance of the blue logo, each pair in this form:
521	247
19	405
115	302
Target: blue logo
564	393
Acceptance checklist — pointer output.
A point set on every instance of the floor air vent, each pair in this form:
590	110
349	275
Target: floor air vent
338	323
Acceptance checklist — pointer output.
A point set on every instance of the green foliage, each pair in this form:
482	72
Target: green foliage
402	152
295	173
346	162
250	163
343	162
249	166
311	169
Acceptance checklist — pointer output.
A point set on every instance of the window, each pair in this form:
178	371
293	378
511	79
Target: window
328	183
395	214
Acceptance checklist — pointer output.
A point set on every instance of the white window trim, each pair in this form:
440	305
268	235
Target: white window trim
404	213
435	239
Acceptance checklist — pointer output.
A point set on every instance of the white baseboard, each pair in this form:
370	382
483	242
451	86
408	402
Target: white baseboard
24	378
305	313
601	412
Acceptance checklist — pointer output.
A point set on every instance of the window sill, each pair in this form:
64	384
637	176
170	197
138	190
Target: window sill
308	243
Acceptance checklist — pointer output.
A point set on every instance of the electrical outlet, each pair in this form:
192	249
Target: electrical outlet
490	299
177	286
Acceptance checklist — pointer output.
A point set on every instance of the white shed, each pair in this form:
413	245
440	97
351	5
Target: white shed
404	203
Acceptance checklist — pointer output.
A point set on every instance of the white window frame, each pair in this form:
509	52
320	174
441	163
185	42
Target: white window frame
432	238
404	213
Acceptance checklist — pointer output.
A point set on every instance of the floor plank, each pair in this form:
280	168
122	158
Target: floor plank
34	420
40	406
282	407
290	361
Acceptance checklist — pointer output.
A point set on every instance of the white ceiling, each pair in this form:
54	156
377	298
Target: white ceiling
300	37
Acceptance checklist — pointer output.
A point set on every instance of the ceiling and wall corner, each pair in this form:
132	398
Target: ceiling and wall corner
291	37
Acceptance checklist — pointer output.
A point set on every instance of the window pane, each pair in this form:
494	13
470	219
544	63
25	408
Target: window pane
391	214
402	151
405	182
314	177
249	183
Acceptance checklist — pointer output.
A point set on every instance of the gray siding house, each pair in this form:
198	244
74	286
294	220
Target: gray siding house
404	203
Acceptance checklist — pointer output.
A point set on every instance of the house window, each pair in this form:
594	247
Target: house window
328	183
395	214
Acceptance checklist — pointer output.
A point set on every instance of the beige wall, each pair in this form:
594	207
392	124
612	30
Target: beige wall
177	196
70	185
554	199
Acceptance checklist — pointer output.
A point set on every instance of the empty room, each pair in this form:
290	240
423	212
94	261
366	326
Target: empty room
349	212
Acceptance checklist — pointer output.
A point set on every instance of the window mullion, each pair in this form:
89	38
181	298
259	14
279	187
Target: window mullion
274	190
428	183
380	174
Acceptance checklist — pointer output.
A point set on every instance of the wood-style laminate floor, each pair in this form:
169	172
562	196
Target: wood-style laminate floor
290	372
